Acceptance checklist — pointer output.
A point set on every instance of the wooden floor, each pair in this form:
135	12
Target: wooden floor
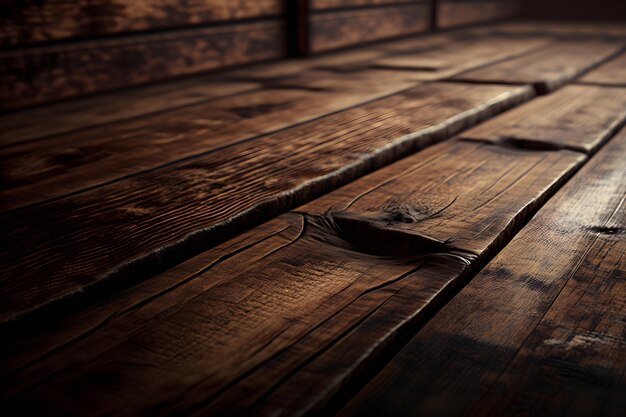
430	226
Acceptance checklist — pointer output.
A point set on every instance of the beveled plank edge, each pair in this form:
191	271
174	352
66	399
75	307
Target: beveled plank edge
140	268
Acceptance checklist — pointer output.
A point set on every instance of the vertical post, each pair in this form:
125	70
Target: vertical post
298	27
434	15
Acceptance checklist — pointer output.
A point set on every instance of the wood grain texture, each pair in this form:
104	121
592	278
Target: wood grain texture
612	73
563	29
453	13
38	75
339	4
60	118
548	68
25	22
164	215
457	56
345	28
297	303
543	321
66	164
580	118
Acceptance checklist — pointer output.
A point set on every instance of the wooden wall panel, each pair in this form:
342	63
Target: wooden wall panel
25	22
452	13
337	29
37	75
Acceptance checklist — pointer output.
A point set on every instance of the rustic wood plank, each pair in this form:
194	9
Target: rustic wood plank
38	75
580	118
27	22
300	303
548	68
345	28
339	4
612	73
56	119
454	13
164	215
458	56
543	320
66	164
564	29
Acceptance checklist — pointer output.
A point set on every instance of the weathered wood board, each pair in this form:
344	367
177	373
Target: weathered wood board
540	330
612	73
42	74
25	22
302	301
344	28
580	118
60	118
453	13
457	56
66	164
131	228
548	68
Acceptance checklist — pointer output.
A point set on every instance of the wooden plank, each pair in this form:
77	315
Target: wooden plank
38	75
543	320
563	29
274	322
548	68
580	118
56	119
345	28
66	164
339	4
459	56
459	12
613	73
165	215
28	22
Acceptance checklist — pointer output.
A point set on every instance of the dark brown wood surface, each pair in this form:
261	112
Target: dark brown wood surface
453	13
580	118
339	4
277	316
456	56
65	164
612	73
43	74
25	22
540	330
128	229
352	27
550	67
60	118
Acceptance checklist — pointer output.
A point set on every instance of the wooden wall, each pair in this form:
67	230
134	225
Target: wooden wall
455	13
57	49
337	24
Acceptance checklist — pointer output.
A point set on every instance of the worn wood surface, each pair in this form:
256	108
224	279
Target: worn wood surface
550	67
456	56
580	118
339	4
540	330
453	13
352	27
612	73
310	288
38	75
25	22
128	228
60	118
36	172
